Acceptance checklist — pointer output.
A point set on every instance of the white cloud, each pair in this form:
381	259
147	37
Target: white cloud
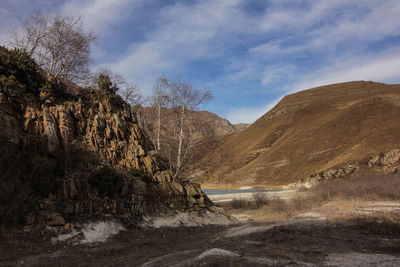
7	20
276	73
100	15
185	33
384	67
250	114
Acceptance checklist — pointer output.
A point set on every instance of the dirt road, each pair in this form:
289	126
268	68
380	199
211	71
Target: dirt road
311	239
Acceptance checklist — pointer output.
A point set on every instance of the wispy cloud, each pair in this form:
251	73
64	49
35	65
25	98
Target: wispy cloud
100	15
384	67
264	47
250	114
186	32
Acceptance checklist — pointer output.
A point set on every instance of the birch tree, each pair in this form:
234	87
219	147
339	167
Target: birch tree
58	44
160	99
185	99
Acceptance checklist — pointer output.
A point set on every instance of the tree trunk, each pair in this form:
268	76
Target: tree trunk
158	120
180	140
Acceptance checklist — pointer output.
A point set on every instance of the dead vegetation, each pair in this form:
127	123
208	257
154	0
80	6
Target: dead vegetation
366	186
341	197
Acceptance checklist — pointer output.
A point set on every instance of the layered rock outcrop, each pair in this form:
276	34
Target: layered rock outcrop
87	132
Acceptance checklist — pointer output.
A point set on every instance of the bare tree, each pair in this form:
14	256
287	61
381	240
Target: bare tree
58	44
160	99
185	99
131	94
105	79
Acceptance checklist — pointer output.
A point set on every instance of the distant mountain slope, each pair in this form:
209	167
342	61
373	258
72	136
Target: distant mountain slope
211	124
306	133
209	131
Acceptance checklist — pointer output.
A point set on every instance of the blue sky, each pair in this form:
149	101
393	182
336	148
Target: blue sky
248	53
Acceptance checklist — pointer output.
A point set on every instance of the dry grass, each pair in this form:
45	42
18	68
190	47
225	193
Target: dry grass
366	186
257	201
340	198
262	207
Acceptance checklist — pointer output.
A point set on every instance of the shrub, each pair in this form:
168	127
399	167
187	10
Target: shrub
20	75
258	200
140	173
107	181
366	186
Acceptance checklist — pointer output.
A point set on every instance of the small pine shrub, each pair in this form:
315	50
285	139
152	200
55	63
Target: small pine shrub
20	75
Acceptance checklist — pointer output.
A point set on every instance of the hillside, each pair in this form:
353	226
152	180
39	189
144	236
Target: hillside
210	124
307	133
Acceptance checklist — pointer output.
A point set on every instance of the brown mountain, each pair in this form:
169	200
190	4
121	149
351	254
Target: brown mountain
306	133
211	124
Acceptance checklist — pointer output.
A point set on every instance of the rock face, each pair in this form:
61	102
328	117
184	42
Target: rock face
85	133
306	133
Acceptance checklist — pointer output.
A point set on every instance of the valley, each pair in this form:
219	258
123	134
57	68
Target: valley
322	237
86	182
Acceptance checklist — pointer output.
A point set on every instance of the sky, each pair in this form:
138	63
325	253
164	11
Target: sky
248	53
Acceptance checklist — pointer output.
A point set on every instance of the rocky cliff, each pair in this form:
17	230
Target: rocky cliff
83	155
320	130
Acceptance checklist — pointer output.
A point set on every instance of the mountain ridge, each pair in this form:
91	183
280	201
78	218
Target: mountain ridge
305	133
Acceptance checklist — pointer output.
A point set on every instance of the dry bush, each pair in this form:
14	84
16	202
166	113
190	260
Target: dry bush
367	186
258	200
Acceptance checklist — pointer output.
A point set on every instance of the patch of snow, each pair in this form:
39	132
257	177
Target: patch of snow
64	237
361	259
247	229
282	194
216	252
305	218
188	219
308	218
100	231
168	257
91	233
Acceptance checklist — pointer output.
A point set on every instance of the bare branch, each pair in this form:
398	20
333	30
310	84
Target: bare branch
58	44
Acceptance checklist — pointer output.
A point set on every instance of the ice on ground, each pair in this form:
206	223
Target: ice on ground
305	218
247	229
361	259
100	231
91	233
168	258
308	218
64	237
282	194
245	187
217	252
188	219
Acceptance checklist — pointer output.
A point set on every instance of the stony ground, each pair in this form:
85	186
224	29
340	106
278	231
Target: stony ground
316	238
